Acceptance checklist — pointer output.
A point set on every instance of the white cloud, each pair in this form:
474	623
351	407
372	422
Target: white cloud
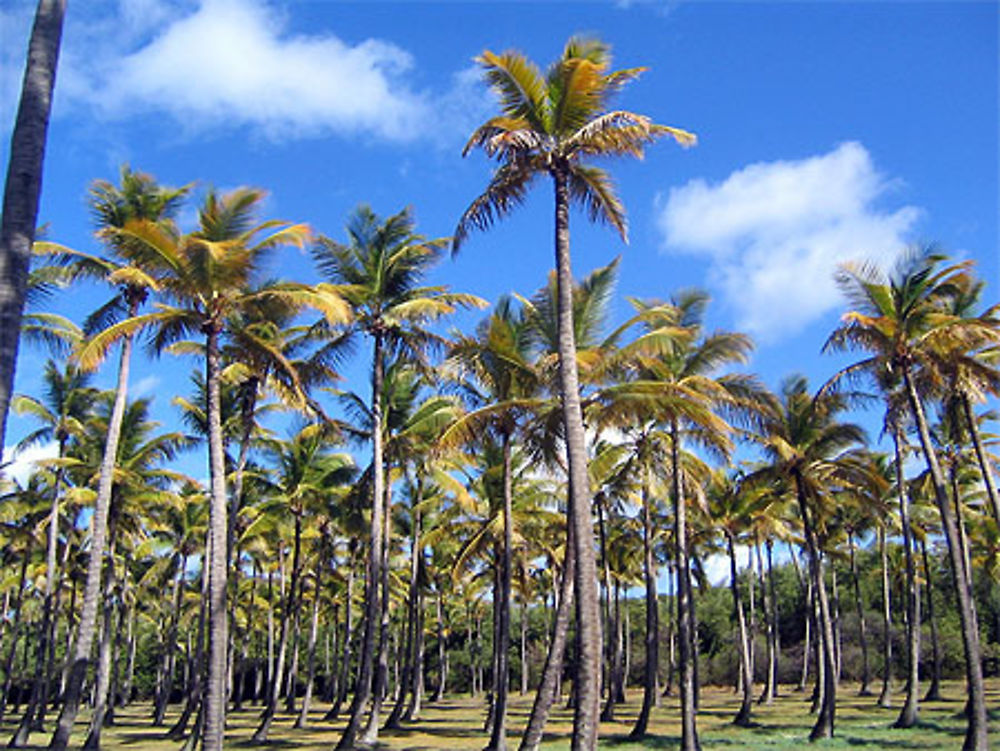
22	464
146	386
231	63
774	233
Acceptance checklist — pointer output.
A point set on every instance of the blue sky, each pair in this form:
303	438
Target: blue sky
827	132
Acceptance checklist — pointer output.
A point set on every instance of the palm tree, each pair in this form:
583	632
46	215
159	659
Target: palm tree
207	275
551	125
900	319
139	198
810	453
379	273
502	384
23	185
62	412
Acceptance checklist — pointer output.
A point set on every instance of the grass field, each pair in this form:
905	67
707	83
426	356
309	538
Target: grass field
457	724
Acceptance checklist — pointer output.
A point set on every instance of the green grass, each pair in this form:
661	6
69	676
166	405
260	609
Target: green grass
457	724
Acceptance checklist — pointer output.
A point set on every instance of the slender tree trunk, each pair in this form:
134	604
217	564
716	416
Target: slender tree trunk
410	658
168	663
685	630
934	690
373	571
976	738
303	719
984	465
551	676
885	696
15	632
95	559
345	659
442	647
23	186
742	718
413	709
277	672
39	685
218	640
524	647
102	678
770	626
866	672
588	676
825	720
908	715
652	616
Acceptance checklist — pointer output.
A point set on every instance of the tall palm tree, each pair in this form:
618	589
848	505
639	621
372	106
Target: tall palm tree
63	411
552	124
204	277
899	319
810	452
23	185
139	198
379	273
502	385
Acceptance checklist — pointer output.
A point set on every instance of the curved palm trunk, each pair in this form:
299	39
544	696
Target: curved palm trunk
373	600
380	682
984	466
8	668
885	699
685	621
742	718
976	731
828	706
410	663
588	678
551	677
23	186
866	673
276	675
345	658
169	663
908	715
652	618
95	559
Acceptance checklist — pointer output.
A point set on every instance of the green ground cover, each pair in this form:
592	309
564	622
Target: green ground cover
457	724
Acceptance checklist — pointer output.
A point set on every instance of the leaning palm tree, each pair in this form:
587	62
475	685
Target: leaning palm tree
550	125
901	319
23	185
379	273
206	276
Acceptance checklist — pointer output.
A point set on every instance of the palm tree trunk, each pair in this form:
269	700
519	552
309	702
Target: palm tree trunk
23	186
984	465
102	678
588	677
828	707
168	665
501	679
685	631
218	641
652	617
95	560
303	719
551	677
524	647
976	738
413	709
276	673
442	647
15	632
39	685
742	718
373	606
866	673
934	690
884	699
770	626
409	661
345	659
908	715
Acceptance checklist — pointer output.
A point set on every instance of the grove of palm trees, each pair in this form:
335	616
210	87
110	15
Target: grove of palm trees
388	513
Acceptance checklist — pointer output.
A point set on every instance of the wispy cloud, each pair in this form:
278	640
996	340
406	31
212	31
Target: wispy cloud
215	65
774	233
